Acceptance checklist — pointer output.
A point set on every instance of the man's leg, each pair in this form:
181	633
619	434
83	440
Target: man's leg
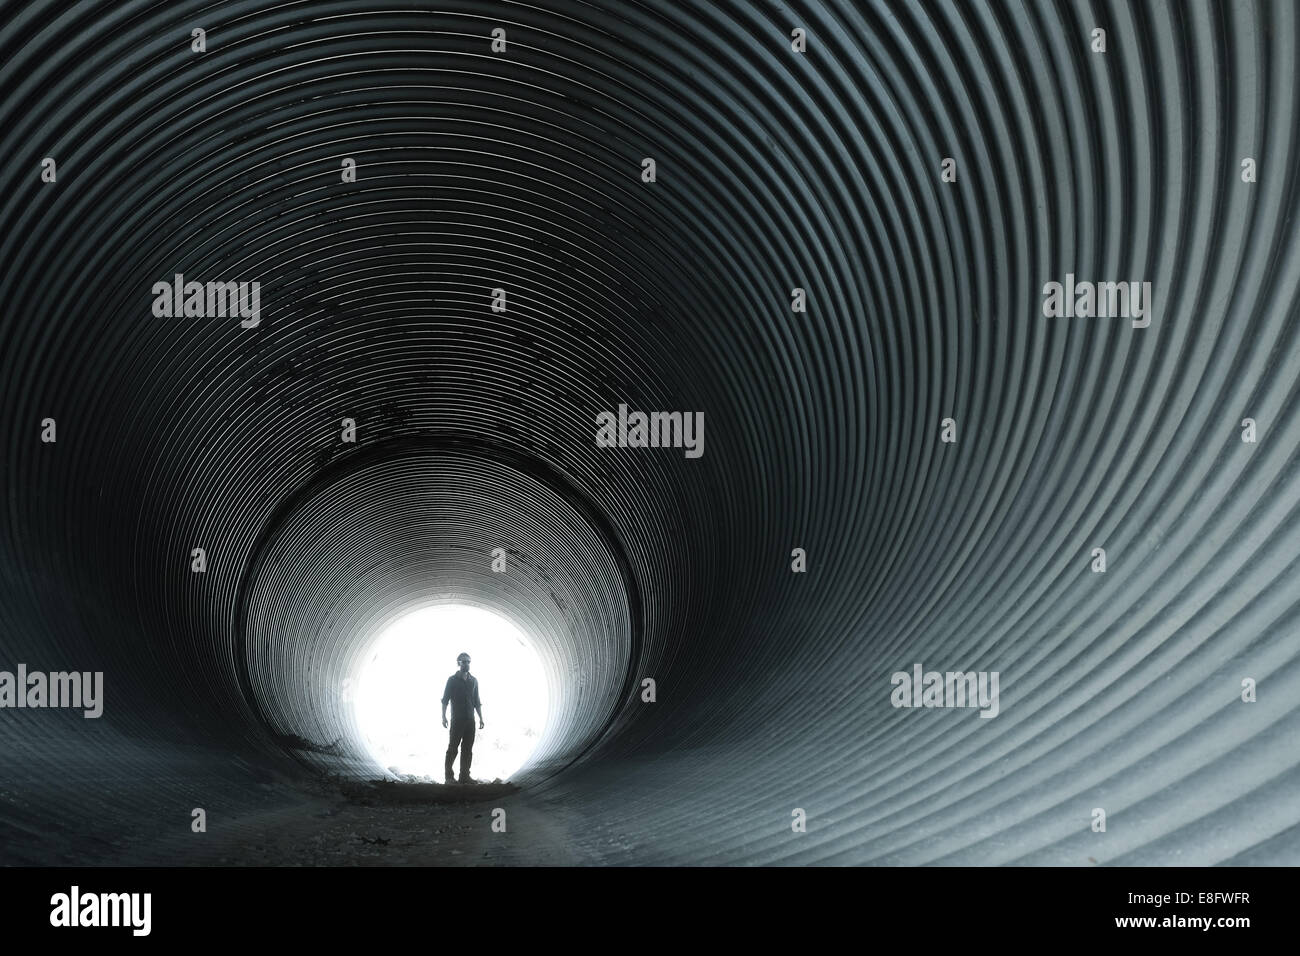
454	739
466	749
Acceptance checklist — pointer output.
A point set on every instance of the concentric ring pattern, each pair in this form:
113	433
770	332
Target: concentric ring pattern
1168	157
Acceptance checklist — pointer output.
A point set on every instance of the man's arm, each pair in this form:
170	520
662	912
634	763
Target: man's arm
446	696
478	705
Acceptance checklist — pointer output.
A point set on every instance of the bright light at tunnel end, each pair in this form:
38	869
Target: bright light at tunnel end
399	685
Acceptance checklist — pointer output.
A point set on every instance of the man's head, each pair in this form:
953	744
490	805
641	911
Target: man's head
462	662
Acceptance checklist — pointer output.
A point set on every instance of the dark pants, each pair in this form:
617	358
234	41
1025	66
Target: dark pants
462	736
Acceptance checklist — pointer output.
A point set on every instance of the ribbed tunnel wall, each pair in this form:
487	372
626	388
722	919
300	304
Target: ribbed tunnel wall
475	428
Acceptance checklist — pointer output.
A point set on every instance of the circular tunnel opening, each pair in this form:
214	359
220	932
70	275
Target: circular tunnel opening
373	578
399	688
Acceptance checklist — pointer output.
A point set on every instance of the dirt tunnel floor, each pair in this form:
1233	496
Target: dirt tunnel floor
390	824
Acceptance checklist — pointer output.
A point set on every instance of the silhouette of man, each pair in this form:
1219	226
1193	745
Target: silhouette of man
462	693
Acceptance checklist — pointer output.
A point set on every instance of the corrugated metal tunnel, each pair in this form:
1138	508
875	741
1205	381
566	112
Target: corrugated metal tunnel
462	252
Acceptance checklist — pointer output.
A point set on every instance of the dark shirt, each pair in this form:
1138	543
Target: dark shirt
463	694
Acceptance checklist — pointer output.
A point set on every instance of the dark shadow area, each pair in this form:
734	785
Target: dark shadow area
372	793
